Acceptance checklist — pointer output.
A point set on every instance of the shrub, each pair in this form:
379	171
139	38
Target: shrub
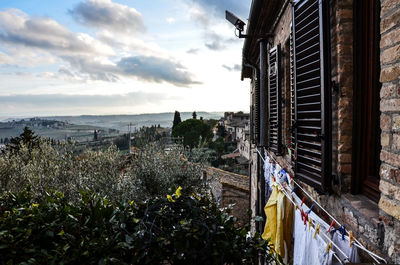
119	177
182	229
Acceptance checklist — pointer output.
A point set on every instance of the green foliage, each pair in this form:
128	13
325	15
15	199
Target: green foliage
146	135
27	138
108	173
193	132
183	229
212	122
122	142
177	119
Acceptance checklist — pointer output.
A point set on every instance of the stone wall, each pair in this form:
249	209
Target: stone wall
389	186
233	189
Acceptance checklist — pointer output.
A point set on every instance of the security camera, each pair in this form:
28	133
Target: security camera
239	24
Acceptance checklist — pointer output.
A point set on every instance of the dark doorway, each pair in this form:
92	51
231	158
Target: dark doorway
366	133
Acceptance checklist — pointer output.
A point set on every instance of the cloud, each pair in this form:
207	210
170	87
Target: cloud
217	8
193	51
87	57
156	70
214	40
16	28
217	42
234	68
105	14
73	101
171	20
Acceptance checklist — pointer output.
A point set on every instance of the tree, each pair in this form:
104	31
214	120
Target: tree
27	137
192	130
221	131
194	114
177	119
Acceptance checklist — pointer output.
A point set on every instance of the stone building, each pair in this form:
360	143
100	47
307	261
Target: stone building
325	90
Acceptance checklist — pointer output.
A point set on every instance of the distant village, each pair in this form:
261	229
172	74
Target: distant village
232	128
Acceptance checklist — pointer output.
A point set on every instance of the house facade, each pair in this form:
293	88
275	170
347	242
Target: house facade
325	104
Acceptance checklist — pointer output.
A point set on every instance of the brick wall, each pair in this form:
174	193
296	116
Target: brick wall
342	48
376	226
389	186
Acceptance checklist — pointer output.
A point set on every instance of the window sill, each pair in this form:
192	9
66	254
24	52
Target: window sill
366	208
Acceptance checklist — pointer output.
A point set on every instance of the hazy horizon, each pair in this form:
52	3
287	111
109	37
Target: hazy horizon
4	118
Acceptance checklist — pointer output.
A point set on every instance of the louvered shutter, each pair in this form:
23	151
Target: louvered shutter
275	99
310	90
256	108
292	98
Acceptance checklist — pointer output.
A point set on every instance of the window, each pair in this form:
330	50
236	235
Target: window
311	93
366	144
275	100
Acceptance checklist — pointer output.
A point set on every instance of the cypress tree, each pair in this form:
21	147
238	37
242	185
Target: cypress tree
177	119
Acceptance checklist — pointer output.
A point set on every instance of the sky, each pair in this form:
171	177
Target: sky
120	57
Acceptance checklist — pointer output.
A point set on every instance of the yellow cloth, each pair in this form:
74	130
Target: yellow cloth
278	226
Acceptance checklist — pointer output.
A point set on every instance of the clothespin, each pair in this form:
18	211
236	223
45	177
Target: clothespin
351	238
342	230
312	206
285	179
302	214
309	224
316	230
296	206
328	247
332	225
303	200
305	218
294	188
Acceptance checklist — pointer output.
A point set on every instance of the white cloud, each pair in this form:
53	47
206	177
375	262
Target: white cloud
105	14
89	58
171	20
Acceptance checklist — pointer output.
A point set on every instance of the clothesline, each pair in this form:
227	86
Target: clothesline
285	192
356	243
283	189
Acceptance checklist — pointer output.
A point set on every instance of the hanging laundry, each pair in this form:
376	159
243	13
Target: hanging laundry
309	250
278	227
267	177
343	244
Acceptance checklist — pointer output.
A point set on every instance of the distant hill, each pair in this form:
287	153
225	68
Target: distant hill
120	122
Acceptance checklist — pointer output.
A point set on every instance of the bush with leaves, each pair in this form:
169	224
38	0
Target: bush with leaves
109	173
178	229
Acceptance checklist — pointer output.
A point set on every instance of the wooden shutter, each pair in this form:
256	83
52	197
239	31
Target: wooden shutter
311	93
256	103
275	100
292	98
